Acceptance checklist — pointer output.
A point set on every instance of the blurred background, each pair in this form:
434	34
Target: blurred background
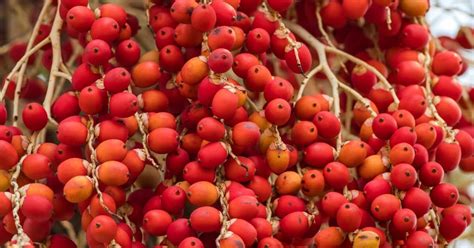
445	18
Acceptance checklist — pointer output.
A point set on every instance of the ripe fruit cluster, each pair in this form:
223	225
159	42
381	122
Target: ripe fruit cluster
211	140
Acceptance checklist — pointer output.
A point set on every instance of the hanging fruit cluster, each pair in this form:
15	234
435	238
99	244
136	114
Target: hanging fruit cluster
253	123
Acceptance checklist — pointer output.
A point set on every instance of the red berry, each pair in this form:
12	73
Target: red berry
34	117
156	222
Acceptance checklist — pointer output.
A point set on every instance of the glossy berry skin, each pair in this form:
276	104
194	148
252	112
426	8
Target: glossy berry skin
384	206
156	222
417	200
384	125
117	80
327	123
106	29
403	176
123	104
80	18
348	217
203	18
97	52
258	41
447	63
163	140
34	117
102	229
444	195
278	111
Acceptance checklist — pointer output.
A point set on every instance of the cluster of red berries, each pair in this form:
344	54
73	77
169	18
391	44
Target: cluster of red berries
170	147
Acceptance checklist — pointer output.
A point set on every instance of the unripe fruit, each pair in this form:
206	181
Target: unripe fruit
78	189
245	134
202	194
329	237
288	183
367	239
353	153
304	133
402	153
146	74
112	149
113	173
278	159
97	208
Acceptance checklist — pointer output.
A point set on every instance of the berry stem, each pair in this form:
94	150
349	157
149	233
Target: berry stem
94	168
305	81
17	196
55	37
428	91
